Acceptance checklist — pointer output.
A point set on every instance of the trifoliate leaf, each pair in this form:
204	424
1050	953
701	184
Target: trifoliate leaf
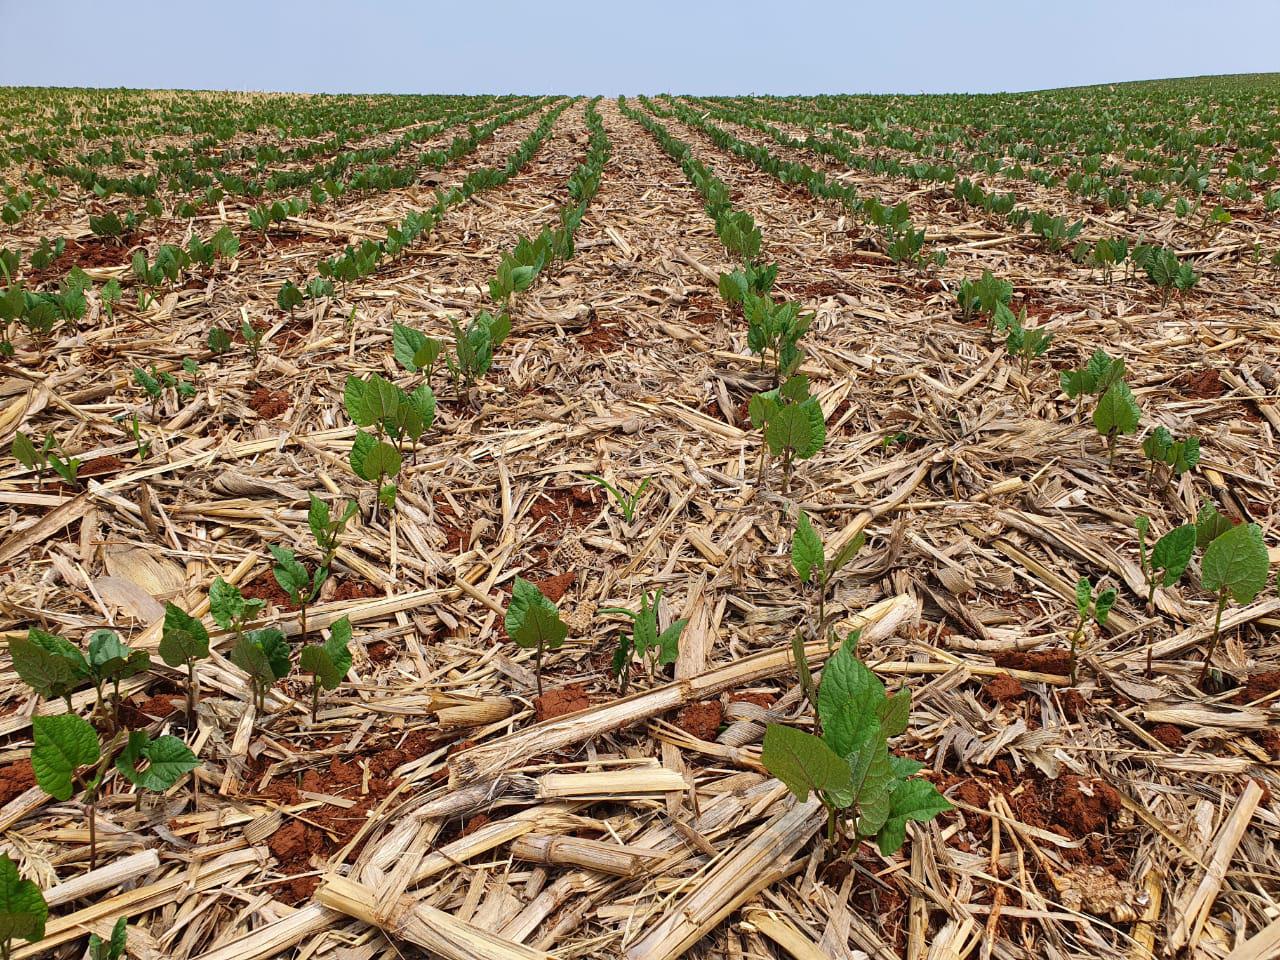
111	659
62	745
910	800
1236	561
1117	410
290	574
183	637
532	620
330	661
849	701
803	762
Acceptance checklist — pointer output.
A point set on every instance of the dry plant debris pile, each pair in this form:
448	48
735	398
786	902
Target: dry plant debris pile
534	526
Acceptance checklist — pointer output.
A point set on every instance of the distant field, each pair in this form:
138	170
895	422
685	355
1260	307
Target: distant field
467	473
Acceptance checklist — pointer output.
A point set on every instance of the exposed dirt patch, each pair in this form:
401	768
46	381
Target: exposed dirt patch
562	700
86	254
1168	734
562	509
761	699
1258	686
351	588
15	779
101	466
553	588
602	336
1074	705
161	705
1003	688
1084	805
1056	662
1203	384
265	587
269	404
701	720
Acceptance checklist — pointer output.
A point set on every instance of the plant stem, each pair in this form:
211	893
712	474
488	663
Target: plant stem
1075	640
539	666
1217	626
303	638
831	825
192	691
1111	449
93	835
315	697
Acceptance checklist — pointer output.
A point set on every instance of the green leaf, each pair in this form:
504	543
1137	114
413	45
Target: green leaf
263	654
1210	524
111	659
806	550
872	777
406	344
849	701
62	745
48	664
1173	551
112	949
24	451
761	408
291	575
167	760
1117	411
227	605
895	712
669	641
23	910
183	637
1102	608
1236	561
532	619
1084	596
910	800
330	661
790	428
804	763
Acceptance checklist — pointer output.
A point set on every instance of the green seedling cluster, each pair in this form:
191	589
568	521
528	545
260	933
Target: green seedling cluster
793	423
47	456
1090	608
645	641
809	560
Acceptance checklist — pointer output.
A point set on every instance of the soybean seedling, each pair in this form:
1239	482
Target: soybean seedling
142	447
327	529
1117	413
183	641
111	661
301	587
1166	562
533	622
626	502
849	767
262	654
23	910
154	764
49	665
810	563
1178	455
1235	566
1088	607
644	640
327	662
67	758
793	424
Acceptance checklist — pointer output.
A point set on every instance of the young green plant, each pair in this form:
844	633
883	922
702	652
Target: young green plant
23	910
67	758
626	502
183	641
533	622
1088	608
1165	563
327	662
656	649
849	767
262	654
808	559
1235	566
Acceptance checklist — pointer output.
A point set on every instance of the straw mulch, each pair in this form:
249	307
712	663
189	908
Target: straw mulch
429	807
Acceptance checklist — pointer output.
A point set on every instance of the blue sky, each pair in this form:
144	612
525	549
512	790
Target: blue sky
708	47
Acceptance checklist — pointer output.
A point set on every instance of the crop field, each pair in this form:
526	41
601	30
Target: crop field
545	526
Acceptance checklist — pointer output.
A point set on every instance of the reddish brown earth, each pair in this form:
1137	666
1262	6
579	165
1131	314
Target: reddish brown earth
1258	687
326	828
1056	662
562	700
265	587
350	588
760	699
1203	384
15	779
554	588
701	720
101	466
1168	734
269	404
1003	688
